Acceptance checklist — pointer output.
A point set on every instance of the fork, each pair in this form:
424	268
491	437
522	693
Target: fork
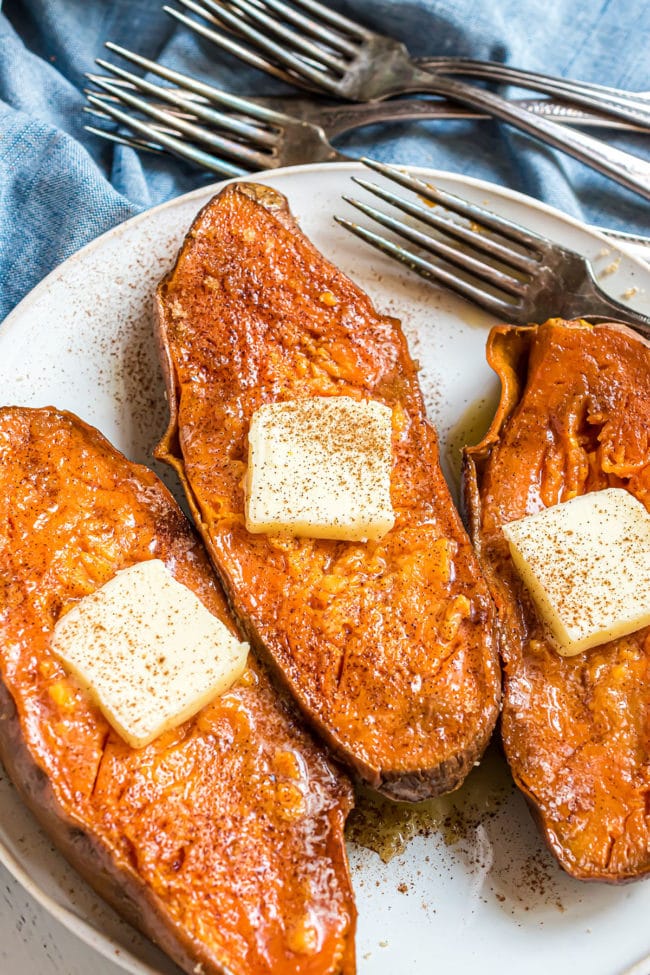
510	271
633	107
356	64
243	135
286	139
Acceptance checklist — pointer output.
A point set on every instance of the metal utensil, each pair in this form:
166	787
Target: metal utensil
218	131
337	56
512	272
245	134
579	92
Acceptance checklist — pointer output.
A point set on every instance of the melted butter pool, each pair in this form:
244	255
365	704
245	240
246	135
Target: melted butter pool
386	826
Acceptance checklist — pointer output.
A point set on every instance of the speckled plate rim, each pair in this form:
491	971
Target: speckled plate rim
80	927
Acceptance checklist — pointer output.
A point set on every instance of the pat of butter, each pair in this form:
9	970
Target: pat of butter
320	467
148	651
586	563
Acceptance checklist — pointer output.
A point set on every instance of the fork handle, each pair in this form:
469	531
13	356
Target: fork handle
630	105
603	308
341	117
623	167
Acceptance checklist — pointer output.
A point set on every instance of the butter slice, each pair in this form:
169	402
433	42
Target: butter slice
148	651
586	563
320	467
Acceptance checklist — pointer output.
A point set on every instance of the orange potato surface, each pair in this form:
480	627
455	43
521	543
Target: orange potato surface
574	417
388	647
223	839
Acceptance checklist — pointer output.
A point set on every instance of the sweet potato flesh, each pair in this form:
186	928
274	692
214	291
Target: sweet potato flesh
387	646
230	827
575	417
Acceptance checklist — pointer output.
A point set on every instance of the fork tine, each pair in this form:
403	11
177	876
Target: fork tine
464	234
227	44
215	95
231	148
307	48
487	272
315	29
105	117
472	211
96	79
177	146
276	50
252	133
432	272
122	140
331	17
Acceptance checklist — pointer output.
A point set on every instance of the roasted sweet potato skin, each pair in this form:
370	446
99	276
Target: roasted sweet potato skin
223	839
388	647
574	417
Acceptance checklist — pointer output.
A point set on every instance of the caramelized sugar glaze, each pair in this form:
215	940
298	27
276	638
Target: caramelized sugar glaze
388	647
222	839
574	417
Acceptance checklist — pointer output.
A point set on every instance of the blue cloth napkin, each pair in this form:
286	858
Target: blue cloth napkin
61	186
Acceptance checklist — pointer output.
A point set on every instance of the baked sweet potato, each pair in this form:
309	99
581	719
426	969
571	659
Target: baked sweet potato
388	647
221	840
574	417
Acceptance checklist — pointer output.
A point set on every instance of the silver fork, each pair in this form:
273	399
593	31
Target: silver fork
285	140
239	135
335	55
632	107
510	271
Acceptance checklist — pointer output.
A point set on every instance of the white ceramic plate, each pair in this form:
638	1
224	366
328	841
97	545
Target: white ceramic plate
479	891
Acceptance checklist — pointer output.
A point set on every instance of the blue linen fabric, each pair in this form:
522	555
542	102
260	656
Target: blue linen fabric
61	186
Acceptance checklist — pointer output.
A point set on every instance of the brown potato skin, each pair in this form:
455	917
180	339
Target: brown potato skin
222	840
388	647
574	417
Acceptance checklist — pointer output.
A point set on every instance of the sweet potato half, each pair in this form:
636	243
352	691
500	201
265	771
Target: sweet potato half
574	417
388	647
221	840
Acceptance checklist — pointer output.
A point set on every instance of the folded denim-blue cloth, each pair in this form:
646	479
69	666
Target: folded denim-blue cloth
61	186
